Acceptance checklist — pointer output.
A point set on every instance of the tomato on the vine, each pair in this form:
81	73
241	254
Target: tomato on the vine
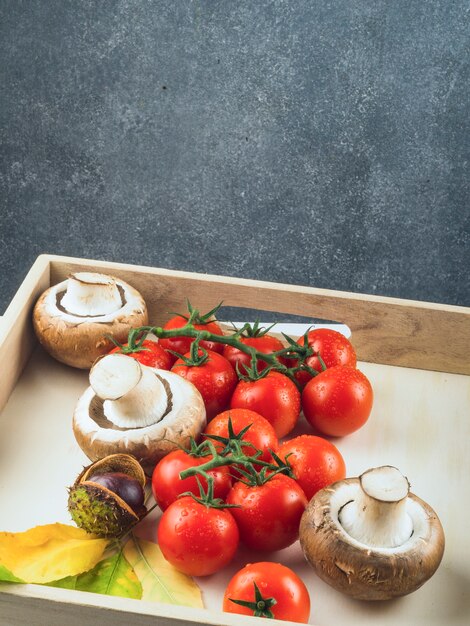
167	485
338	401
267	344
333	347
268	515
259	436
273	590
315	462
181	345
274	396
150	353
197	539
214	377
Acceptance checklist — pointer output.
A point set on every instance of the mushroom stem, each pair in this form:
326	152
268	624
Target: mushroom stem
133	395
91	294
378	517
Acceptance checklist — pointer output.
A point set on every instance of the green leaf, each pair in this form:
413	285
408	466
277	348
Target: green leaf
113	576
70	582
7	577
161	582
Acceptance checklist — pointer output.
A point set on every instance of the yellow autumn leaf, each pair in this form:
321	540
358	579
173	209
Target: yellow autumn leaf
46	553
161	582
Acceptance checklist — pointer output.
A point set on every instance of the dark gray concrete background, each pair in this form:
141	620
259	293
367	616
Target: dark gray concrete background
309	142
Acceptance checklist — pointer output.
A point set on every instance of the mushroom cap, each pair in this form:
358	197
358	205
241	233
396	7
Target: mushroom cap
361	571
78	341
98	437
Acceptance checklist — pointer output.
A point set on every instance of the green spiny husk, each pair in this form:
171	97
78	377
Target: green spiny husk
99	511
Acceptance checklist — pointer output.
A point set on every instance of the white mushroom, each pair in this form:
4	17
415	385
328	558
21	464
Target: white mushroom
378	516
124	384
370	538
90	294
71	319
133	409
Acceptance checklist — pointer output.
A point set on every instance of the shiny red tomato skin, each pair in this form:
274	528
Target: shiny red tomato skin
266	344
181	345
215	380
167	485
196	539
338	401
333	347
275	397
153	356
269	515
261	434
316	462
274	581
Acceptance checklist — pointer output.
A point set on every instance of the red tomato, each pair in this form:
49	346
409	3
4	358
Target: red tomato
196	539
215	379
275	582
269	515
152	355
338	401
275	397
333	348
167	485
181	345
315	462
260	434
266	344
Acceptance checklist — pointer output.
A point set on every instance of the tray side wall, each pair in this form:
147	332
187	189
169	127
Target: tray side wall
17	338
386	330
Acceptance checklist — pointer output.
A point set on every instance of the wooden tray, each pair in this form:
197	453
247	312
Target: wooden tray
415	355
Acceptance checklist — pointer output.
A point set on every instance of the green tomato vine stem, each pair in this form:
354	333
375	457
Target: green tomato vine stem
293	351
236	456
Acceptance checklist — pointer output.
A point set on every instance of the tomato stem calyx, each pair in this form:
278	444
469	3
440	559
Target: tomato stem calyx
251	371
207	497
198	355
135	341
197	318
198	450
231	442
261	607
255	478
255	330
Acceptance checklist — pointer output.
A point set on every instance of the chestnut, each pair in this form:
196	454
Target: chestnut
107	498
127	488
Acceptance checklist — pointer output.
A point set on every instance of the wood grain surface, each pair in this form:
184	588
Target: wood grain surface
386	330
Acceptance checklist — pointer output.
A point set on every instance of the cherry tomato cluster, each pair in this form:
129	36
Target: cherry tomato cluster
254	370
240	483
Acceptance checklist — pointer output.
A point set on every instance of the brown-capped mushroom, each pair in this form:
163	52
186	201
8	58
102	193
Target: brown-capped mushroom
71	319
371	539
134	409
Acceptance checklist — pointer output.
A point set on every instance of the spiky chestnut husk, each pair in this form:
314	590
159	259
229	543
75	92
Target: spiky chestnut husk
98	510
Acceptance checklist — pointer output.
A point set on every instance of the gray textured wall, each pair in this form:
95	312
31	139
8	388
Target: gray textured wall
311	142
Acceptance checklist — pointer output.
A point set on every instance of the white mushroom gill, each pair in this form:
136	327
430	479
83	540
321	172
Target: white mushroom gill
133	395
91	294
378	516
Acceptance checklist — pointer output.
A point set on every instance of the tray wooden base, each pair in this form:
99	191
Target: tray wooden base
420	423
